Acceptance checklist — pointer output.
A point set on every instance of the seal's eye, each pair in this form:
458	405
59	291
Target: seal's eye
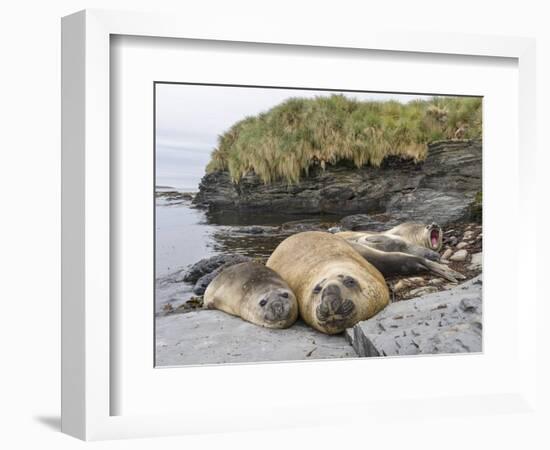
317	289
263	302
284	295
350	282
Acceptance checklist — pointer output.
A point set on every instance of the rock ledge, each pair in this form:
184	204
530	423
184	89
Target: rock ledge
443	322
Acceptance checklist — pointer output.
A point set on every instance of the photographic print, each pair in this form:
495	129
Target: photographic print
303	224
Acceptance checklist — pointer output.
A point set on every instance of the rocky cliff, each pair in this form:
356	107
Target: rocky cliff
441	188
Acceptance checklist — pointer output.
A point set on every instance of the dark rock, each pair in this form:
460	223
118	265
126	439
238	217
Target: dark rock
444	322
254	229
441	188
377	222
297	226
476	208
208	265
175	195
203	282
452	240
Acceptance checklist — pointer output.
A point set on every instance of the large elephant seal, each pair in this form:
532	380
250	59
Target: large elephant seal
335	287
255	293
403	250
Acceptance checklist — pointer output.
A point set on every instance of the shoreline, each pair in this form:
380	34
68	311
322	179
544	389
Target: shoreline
174	296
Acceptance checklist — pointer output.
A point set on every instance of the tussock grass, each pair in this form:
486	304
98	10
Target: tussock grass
286	141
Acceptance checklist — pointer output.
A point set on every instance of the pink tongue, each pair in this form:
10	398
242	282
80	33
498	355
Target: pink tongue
434	235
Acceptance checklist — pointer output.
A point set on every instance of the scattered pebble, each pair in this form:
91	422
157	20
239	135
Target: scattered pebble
460	255
415	280
468	235
400	286
447	254
462	245
476	262
423	291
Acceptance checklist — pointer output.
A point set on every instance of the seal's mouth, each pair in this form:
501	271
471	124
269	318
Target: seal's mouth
333	307
434	237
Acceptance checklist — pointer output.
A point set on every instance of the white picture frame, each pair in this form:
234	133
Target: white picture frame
88	322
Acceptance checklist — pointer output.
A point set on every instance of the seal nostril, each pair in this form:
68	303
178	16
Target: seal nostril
278	309
331	289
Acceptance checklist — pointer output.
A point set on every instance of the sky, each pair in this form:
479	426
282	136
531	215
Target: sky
189	119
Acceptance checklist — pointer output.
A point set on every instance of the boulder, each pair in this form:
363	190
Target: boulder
443	322
203	282
208	265
203	272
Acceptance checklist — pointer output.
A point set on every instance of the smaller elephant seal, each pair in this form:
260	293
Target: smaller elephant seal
335	286
406	249
254	293
429	236
408	237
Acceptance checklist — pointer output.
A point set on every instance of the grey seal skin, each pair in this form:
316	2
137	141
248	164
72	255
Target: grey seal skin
254	293
406	249
334	285
429	236
409	237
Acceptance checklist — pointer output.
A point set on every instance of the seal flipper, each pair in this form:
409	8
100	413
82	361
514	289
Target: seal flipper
443	270
397	244
397	263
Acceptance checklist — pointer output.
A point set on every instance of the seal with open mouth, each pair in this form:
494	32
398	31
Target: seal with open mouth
405	249
255	293
429	236
335	287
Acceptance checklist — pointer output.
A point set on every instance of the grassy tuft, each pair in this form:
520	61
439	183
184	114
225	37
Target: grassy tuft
286	141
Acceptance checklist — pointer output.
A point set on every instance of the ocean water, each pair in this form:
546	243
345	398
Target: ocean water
185	235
